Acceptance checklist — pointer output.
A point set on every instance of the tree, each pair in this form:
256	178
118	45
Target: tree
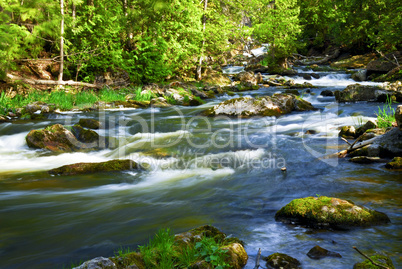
277	23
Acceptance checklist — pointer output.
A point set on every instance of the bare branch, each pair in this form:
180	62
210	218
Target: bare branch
367	257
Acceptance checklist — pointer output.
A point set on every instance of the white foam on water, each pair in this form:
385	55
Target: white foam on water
25	162
333	80
232	159
232	69
148	141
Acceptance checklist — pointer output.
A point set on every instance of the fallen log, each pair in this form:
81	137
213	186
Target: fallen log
51	82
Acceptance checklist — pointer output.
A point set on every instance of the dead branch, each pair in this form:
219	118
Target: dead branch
346	141
257	261
322	61
51	82
367	257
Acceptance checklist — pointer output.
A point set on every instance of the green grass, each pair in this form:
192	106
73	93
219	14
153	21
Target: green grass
386	114
143	96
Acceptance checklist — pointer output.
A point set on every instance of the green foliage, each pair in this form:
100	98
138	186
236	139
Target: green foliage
210	251
159	253
278	25
386	114
109	95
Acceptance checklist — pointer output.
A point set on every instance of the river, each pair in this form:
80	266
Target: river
219	171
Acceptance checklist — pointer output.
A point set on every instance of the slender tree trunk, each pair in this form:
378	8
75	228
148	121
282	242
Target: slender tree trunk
73	8
61	41
204	20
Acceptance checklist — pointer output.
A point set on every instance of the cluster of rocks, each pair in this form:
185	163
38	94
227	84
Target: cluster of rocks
376	144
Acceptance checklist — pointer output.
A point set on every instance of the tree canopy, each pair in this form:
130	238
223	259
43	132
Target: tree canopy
152	40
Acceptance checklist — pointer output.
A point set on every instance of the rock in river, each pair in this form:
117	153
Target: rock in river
276	105
318	252
385	261
57	138
328	212
280	260
357	92
87	168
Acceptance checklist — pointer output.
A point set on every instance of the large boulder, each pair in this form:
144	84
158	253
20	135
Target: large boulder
280	260
360	75
88	168
327	212
388	145
248	77
357	92
57	138
276	105
384	64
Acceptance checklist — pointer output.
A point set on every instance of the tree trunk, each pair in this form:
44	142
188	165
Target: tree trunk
204	20
61	41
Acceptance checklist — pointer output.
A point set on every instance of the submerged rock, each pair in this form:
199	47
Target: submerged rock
280	260
97	263
366	160
87	168
318	252
379	259
328	212
57	138
357	92
276	105
326	93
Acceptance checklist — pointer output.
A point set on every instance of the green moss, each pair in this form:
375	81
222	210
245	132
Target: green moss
329	212
396	163
380	259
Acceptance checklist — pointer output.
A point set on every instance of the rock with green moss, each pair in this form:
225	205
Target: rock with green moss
280	260
57	138
396	163
347	132
85	135
88	168
90	123
357	92
327	212
354	62
385	261
278	104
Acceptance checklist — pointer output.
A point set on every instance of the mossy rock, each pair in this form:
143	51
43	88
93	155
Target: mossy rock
276	105
131	260
347	132
380	259
396	163
358	93
90	123
88	168
236	255
354	62
327	212
280	260
85	135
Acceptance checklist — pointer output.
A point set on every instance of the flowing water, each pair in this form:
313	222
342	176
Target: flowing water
220	171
